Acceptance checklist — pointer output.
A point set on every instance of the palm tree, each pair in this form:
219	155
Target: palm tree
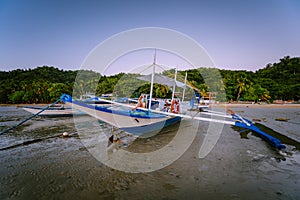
203	90
242	85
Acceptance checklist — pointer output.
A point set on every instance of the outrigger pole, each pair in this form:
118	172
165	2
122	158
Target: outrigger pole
29	118
185	79
246	123
174	86
152	80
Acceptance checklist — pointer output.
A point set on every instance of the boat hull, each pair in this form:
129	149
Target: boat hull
152	129
137	122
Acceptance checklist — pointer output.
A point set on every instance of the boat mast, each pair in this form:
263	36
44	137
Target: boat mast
173	93
185	79
152	80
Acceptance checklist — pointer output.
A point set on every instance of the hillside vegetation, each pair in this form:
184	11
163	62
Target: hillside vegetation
45	84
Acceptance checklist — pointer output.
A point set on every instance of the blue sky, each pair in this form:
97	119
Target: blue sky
236	34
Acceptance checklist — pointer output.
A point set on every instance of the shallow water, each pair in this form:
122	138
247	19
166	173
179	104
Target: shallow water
53	167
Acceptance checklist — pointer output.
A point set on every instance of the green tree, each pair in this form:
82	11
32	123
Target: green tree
243	85
256	93
16	97
57	89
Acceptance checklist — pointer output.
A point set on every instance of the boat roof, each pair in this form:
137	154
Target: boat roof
161	79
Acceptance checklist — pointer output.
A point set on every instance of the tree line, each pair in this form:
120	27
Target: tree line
45	84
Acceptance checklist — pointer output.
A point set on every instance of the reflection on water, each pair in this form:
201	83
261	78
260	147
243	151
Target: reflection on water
143	145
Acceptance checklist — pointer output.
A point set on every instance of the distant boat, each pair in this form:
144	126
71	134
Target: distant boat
55	111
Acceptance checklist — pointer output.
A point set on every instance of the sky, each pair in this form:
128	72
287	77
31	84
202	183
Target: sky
236	34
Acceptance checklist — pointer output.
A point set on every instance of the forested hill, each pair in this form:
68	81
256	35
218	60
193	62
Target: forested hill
275	81
45	73
40	85
282	79
45	84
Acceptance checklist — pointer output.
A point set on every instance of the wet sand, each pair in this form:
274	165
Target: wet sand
236	168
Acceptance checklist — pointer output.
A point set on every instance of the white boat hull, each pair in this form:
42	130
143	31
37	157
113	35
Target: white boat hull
137	123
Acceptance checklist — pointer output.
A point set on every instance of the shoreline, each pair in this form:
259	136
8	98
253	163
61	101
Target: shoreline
248	105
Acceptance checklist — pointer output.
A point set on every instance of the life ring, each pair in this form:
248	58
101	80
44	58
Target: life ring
175	108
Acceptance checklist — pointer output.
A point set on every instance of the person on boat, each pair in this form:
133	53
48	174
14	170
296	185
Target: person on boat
166	106
175	108
141	103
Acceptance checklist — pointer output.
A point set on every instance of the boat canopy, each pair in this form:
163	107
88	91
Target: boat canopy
164	80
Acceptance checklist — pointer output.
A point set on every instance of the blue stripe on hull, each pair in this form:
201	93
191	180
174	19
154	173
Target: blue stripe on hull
152	128
136	130
126	112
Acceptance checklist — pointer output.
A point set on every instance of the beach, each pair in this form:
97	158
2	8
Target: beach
240	165
260	105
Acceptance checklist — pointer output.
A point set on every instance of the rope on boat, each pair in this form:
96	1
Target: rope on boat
29	118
